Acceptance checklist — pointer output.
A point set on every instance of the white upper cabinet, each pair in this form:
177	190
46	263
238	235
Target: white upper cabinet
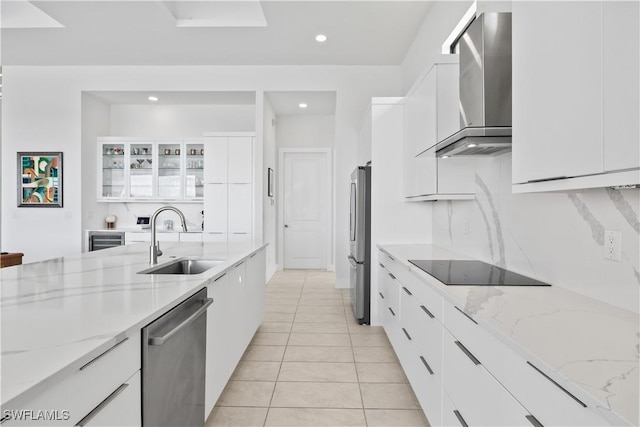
239	152
575	94
215	158
621	68
432	114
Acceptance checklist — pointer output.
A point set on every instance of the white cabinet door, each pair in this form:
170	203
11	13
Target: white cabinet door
240	208
215	159
621	68
457	175
190	237
557	89
122	408
426	132
473	390
240	160
219	364
215	237
215	208
448	96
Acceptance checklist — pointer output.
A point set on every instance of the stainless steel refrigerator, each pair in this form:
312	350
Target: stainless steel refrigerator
360	243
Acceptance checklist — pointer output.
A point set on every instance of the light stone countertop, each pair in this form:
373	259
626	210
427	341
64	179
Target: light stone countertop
590	347
61	313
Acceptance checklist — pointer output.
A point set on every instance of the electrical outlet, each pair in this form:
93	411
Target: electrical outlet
613	245
467	226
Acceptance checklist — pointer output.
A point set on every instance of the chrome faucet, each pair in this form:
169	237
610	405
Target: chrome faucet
154	250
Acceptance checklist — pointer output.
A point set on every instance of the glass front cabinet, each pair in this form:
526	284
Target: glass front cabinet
150	170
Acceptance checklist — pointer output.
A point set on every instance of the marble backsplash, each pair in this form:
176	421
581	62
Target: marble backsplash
127	214
557	237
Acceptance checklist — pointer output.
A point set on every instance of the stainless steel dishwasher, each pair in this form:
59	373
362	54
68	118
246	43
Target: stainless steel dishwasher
173	365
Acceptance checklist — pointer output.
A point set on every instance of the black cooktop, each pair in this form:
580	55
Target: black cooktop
473	273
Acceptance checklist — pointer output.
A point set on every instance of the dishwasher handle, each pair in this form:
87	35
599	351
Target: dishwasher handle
162	339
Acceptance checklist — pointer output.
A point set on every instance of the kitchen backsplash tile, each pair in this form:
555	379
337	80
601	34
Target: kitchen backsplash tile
557	237
127	214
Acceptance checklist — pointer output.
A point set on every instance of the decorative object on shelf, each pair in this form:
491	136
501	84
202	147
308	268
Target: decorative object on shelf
270	182
118	150
167	151
177	151
193	151
168	225
111	221
40	179
202	151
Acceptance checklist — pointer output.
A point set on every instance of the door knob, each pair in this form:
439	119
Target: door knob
286	226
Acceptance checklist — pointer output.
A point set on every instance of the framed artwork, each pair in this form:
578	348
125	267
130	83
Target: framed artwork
270	182
40	179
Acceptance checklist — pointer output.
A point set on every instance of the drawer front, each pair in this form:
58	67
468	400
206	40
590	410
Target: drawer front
548	402
122	408
474	392
85	389
428	297
426	334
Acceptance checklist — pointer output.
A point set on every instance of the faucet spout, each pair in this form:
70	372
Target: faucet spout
154	250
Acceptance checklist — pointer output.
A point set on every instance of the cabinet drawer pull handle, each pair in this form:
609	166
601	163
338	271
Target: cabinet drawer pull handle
253	254
467	352
407	290
533	421
427	311
426	365
392	276
466	315
406	333
238	265
103	354
219	277
381	265
391	258
557	385
391	311
458	415
100	406
381	296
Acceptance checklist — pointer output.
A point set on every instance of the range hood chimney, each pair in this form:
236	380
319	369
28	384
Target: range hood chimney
485	89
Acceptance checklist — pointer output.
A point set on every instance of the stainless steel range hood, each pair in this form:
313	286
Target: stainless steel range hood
485	89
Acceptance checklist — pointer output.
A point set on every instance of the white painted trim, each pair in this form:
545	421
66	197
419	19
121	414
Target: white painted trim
327	152
607	179
468	16
230	134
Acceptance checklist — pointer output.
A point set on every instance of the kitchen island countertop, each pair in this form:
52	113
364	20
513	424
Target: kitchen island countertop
61	313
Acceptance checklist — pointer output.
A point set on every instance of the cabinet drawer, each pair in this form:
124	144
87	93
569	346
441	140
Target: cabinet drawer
548	402
425	332
122	408
474	392
424	293
83	390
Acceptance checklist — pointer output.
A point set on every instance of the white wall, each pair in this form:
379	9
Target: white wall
96	120
37	115
305	131
180	120
270	155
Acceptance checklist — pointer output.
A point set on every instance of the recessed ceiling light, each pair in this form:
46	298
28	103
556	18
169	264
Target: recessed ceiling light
472	145
321	38
153	98
302	105
444	157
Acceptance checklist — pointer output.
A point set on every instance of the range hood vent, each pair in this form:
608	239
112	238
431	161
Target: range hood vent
485	89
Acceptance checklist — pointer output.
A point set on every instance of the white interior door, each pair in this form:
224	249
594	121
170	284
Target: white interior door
305	207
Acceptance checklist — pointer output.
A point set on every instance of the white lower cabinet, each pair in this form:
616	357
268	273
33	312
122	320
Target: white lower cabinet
232	320
121	408
93	395
461	373
475	393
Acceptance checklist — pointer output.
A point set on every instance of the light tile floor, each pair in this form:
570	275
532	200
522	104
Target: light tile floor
311	364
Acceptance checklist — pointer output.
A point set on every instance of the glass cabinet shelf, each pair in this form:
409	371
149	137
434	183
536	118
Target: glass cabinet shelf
150	169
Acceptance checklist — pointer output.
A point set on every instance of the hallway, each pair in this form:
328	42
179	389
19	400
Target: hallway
311	364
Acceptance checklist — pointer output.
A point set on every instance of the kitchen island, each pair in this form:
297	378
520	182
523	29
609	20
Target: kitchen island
546	354
58	315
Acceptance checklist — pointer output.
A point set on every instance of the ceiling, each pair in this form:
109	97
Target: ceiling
156	32
211	32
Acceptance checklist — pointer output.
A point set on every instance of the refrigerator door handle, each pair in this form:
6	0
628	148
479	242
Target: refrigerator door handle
352	260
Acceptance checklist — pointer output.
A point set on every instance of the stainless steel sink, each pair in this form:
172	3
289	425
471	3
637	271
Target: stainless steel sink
183	266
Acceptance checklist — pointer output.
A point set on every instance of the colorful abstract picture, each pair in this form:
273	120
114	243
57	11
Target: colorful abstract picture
40	176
